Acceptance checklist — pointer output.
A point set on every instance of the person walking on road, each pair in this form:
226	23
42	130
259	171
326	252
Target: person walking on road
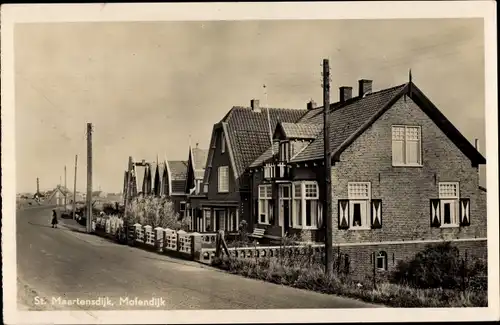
54	219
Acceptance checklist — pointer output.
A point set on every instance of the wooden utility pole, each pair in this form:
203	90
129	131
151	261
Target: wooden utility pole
126	195
89	177
65	190
74	189
327	212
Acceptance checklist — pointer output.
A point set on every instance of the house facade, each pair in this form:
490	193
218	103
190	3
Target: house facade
402	177
167	178
237	140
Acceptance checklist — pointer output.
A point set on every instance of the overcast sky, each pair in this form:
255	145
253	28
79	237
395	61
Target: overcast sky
148	86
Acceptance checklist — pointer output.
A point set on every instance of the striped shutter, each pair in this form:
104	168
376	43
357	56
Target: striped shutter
343	214
464	212
376	215
435	213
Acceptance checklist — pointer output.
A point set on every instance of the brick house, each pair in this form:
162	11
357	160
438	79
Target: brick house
237	140
167	178
402	177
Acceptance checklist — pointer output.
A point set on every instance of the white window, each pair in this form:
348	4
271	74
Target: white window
297	205
222	142
381	260
284	151
223	179
269	171
449	196
265	204
205	188
306	208
406	145
359	194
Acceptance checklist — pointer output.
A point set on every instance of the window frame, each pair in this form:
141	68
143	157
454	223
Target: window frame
301	214
455	205
264	201
381	255
405	146
223	190
364	201
182	211
284	151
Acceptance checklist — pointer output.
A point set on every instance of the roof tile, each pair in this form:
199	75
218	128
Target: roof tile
249	133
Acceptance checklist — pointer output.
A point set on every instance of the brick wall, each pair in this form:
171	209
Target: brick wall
361	261
406	191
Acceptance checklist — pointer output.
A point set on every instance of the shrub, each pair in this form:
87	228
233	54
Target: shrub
439	266
156	212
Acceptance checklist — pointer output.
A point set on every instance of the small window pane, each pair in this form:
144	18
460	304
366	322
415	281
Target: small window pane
359	190
412	133
448	190
311	190
398	133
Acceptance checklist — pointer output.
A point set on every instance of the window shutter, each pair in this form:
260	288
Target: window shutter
435	213
376	215
343	214
464	212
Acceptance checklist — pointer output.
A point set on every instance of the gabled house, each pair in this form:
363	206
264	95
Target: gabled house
402	176
237	140
56	196
197	160
167	178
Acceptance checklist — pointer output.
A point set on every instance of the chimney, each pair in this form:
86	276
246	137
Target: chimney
311	105
365	87
345	93
254	103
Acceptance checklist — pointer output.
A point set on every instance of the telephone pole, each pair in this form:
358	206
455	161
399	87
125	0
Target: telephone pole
327	212
127	187
65	190
89	177
74	189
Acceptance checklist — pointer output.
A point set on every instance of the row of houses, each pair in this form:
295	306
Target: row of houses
402	175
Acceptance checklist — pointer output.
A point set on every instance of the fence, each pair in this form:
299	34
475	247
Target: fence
195	246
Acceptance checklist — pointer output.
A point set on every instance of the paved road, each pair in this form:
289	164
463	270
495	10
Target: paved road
61	263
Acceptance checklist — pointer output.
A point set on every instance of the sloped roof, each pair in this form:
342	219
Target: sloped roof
345	120
199	158
248	131
351	118
268	154
178	169
300	130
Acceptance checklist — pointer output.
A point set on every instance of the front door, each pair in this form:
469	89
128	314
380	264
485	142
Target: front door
285	211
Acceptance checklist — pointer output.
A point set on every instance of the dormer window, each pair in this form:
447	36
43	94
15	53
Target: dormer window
284	151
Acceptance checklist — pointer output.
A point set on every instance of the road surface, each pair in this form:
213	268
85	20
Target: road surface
60	269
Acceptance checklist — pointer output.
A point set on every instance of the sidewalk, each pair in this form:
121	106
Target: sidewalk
71	225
